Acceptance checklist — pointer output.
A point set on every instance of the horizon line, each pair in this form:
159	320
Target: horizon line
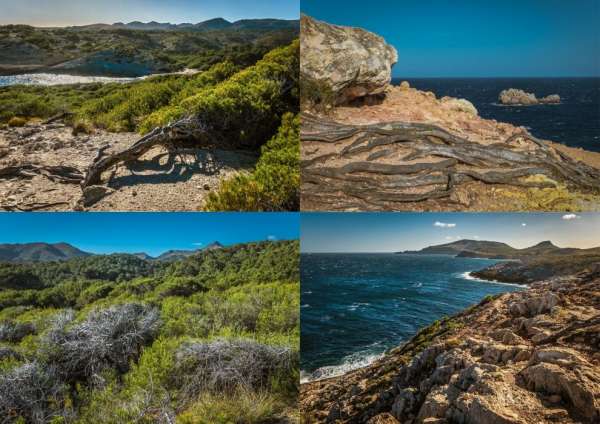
147	22
198	248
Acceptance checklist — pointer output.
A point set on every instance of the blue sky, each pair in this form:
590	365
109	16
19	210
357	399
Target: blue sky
454	38
390	232
153	233
81	12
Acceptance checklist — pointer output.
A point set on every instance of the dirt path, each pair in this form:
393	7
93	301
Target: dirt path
159	181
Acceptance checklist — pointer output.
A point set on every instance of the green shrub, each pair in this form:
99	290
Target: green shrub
244	406
82	127
275	183
17	122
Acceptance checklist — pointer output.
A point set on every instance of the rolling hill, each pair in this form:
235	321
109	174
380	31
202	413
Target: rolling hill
39	252
497	250
46	252
135	49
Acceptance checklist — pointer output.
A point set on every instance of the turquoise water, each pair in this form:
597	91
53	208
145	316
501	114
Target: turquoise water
354	307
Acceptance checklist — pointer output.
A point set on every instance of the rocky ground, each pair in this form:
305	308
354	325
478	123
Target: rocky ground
159	181
459	117
525	357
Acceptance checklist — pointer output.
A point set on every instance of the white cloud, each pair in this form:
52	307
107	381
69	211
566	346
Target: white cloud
271	238
523	225
476	237
198	244
449	238
570	216
444	225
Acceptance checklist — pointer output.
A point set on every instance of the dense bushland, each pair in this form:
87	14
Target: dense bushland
213	338
252	108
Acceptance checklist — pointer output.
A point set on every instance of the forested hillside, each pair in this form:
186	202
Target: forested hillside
213	338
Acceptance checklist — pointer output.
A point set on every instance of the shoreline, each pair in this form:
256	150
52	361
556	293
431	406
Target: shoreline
365	362
475	355
62	78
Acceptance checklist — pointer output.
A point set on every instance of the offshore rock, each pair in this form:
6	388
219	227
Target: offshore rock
515	97
348	62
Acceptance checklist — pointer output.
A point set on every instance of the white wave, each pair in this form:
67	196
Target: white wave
467	276
305	306
349	363
357	305
57	79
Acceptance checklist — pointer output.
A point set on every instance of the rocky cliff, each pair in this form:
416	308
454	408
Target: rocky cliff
346	62
525	357
398	148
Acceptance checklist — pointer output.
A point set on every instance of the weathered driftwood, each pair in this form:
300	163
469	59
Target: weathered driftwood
433	163
60	174
167	136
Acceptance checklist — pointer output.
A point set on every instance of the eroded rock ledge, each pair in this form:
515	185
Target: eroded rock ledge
519	358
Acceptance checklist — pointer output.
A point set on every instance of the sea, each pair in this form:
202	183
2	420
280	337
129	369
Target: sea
355	307
57	79
575	122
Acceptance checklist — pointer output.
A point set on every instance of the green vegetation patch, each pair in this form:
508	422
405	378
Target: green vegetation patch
117	338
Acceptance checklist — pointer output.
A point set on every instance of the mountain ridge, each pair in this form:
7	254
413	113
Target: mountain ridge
62	251
497	250
207	25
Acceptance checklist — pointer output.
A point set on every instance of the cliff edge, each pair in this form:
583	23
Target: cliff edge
399	148
525	357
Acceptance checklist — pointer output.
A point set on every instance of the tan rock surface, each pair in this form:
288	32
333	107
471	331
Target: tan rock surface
467	369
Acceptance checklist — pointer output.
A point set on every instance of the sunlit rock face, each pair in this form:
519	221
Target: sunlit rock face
350	62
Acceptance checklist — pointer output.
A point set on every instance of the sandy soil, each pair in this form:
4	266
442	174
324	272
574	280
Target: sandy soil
159	181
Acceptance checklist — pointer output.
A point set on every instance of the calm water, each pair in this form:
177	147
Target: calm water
357	306
56	79
575	122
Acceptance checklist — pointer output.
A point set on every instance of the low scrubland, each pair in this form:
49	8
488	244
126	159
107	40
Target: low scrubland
213	338
240	107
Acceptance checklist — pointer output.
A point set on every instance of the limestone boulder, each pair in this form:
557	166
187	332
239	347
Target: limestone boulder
348	62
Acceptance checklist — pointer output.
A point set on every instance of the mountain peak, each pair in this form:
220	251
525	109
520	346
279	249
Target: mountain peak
212	246
39	252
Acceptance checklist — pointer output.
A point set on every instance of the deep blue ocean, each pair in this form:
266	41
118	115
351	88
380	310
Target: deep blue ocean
575	122
354	307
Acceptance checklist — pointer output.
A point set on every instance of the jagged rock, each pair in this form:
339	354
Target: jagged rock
350	62
405	403
553	98
459	105
580	386
513	96
488	371
436	404
384	418
557	355
506	336
516	97
404	85
534	305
